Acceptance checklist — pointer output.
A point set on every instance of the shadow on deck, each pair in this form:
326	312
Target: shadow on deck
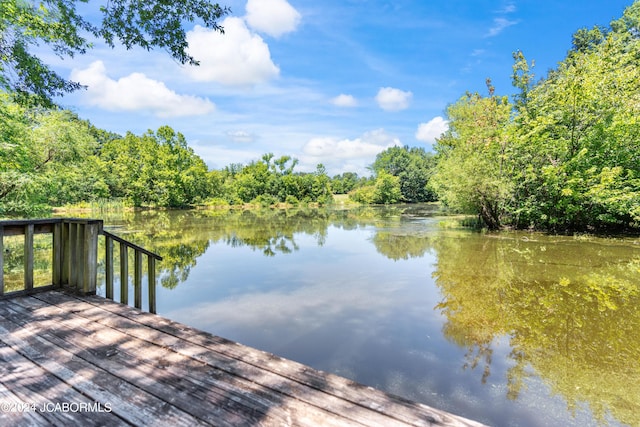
84	360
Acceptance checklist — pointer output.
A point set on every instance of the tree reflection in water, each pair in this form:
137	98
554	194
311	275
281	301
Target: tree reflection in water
568	306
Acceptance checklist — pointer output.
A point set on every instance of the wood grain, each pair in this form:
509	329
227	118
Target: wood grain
153	371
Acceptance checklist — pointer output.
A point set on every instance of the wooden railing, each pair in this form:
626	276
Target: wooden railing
75	258
124	271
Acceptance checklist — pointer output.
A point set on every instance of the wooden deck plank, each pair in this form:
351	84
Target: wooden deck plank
127	402
167	374
372	399
13	411
101	357
347	395
153	371
32	384
324	402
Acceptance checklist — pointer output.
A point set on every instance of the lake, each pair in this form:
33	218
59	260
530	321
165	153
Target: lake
508	328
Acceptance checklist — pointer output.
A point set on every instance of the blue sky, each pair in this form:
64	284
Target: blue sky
332	82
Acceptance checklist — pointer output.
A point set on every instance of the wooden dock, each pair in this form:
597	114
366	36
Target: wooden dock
84	360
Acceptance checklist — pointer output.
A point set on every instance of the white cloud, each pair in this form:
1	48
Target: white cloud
237	57
368	145
391	99
428	132
272	17
240	136
499	25
343	100
340	155
137	92
508	8
314	302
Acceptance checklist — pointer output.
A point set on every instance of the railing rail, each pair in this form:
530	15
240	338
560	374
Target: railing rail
75	258
124	271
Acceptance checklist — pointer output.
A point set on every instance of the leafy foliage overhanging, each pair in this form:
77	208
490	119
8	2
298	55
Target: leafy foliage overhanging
60	25
564	154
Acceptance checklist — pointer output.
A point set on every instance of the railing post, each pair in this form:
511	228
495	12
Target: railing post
66	253
138	253
151	274
1	260
124	274
28	257
90	257
80	259
137	283
108	261
73	254
57	263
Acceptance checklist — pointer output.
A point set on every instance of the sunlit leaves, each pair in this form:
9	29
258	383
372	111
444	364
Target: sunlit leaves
47	158
58	24
386	189
566	155
471	175
580	133
413	166
150	24
157	169
270	180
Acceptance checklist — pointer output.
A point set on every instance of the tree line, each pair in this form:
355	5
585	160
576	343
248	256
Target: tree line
564	152
50	157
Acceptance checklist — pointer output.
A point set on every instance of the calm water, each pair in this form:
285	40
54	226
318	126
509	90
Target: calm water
511	329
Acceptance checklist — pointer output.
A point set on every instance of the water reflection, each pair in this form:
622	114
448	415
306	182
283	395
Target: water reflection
14	258
183	236
566	306
401	244
569	306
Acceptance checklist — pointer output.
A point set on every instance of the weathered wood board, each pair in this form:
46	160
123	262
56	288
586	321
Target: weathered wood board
111	364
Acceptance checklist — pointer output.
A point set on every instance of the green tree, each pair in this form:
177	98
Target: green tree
414	168
253	181
522	79
15	152
576	159
58	24
157	168
565	155
585	39
344	183
69	170
363	194
386	189
321	187
47	158
472	173
271	180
